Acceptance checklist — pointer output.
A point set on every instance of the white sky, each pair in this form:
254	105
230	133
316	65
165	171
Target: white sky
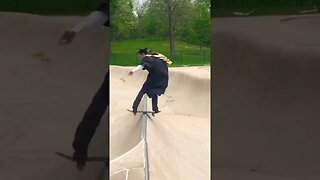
137	3
140	1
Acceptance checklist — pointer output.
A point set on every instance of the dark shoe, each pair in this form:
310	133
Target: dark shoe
80	159
157	111
134	111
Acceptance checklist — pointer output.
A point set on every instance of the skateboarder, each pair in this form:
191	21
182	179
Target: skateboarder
98	106
157	81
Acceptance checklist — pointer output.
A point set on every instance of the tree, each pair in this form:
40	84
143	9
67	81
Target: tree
201	22
187	20
168	8
151	22
122	19
193	22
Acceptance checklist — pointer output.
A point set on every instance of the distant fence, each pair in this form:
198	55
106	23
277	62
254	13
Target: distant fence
49	6
182	57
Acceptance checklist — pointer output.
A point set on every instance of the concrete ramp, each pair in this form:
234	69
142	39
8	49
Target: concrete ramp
266	98
44	91
178	138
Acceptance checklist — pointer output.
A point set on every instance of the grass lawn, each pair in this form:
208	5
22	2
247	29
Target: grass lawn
125	52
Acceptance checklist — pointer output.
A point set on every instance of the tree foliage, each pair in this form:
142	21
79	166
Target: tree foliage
190	20
122	21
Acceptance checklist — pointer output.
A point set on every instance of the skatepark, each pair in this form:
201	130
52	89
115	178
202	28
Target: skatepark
178	138
265	97
264	103
45	89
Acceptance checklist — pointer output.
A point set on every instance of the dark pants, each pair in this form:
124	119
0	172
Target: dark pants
91	120
139	97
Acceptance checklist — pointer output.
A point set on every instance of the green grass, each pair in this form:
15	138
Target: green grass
124	52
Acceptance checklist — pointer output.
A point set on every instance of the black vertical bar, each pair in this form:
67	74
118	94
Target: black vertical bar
136	59
180	56
204	56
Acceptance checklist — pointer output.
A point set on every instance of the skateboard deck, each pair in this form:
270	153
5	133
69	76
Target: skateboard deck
92	158
143	112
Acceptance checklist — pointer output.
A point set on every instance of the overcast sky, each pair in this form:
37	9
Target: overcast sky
140	1
137	3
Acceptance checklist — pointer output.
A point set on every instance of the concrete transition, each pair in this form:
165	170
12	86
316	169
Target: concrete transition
178	138
44	91
266	98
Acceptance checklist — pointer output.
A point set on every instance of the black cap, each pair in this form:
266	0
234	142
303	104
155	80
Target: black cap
104	7
144	51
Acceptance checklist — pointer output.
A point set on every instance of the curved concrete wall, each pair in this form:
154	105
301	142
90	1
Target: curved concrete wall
266	97
44	90
178	137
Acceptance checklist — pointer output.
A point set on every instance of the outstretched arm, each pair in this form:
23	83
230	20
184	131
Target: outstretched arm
138	68
94	19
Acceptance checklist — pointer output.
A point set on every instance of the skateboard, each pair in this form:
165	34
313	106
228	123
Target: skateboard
81	166
143	112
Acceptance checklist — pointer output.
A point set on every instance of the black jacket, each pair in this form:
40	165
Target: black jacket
157	80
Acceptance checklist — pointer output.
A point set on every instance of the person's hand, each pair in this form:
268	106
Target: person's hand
130	73
67	37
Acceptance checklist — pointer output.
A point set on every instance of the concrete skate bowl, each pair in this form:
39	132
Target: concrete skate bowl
178	138
45	89
310	22
265	99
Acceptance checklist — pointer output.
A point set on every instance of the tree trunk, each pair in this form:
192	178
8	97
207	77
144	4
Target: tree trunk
171	33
